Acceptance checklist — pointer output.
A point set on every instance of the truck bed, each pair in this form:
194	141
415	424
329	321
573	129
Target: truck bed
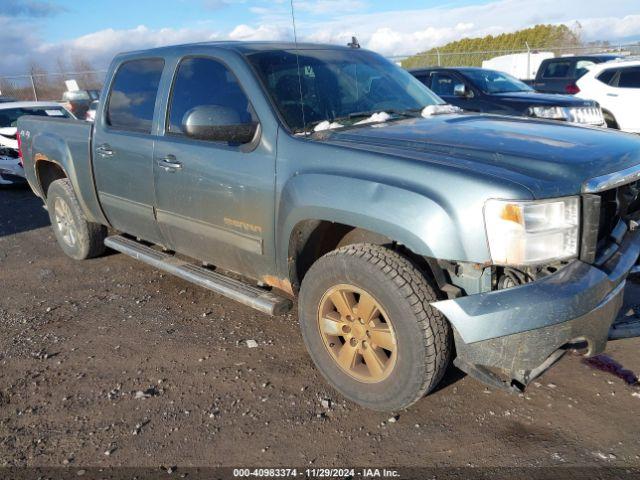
66	143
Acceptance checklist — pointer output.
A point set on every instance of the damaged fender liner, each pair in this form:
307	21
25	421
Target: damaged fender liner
522	330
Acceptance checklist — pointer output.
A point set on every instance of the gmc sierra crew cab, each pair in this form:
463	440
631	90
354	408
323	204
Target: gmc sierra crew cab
403	228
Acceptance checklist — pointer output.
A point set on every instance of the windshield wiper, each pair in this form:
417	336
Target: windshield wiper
410	112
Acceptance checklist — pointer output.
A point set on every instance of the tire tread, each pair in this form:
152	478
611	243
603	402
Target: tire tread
418	293
92	234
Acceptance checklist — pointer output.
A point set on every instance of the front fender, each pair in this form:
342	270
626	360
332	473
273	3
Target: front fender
410	218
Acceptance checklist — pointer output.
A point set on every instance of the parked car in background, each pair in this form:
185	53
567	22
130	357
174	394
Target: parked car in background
5	99
79	101
91	113
490	91
559	75
616	87
333	176
11	170
523	66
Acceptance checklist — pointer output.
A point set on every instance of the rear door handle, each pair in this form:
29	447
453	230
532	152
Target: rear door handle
170	164
612	94
104	150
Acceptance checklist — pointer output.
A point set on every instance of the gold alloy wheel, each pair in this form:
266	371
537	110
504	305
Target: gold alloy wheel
357	333
65	222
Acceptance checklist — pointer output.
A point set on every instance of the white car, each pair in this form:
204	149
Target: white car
615	86
11	171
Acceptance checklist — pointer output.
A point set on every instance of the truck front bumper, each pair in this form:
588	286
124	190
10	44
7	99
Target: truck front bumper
509	337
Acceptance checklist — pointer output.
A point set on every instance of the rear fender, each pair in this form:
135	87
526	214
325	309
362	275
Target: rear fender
47	147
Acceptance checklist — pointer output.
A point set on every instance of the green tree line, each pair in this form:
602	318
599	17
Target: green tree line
467	52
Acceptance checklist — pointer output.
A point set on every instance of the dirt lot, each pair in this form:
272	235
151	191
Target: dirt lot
109	362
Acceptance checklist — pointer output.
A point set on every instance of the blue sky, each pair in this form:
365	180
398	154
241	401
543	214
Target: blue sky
83	17
54	32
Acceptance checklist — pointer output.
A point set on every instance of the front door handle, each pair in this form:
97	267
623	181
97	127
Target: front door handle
104	150
612	94
170	164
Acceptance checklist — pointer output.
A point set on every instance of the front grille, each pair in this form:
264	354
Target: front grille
622	203
615	209
585	115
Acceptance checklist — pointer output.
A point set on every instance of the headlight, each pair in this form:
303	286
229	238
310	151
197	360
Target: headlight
553	113
532	232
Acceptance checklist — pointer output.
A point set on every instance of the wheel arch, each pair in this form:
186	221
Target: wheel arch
47	172
320	213
53	160
612	123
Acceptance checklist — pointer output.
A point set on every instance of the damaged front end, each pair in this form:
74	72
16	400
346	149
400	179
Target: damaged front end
521	324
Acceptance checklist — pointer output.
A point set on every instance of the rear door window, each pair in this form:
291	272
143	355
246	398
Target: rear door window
629	77
608	76
133	95
559	69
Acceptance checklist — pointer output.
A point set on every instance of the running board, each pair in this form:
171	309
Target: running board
252	296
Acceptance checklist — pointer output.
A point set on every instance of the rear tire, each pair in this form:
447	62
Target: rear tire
610	120
78	238
387	363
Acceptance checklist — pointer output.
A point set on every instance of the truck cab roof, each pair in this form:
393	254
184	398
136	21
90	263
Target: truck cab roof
243	47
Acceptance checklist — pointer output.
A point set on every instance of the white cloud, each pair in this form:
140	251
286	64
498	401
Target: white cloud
110	40
98	48
323	7
611	27
391	33
262	32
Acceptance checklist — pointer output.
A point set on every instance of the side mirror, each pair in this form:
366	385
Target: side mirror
218	124
460	90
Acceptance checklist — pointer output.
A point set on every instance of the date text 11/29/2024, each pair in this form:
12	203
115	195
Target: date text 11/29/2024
315	473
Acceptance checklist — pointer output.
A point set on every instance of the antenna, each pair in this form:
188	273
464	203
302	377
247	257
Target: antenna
354	43
295	40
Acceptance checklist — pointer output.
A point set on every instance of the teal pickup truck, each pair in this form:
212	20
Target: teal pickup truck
411	234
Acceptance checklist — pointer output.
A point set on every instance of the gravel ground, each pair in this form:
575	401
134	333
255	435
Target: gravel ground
109	362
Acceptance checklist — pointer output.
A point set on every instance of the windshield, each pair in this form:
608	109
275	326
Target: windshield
342	86
9	116
492	81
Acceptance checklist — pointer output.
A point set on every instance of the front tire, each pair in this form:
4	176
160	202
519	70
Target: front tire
367	322
78	238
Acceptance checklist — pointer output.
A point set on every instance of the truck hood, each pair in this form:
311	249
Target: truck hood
543	99
549	158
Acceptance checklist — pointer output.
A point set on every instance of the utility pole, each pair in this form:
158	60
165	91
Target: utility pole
33	87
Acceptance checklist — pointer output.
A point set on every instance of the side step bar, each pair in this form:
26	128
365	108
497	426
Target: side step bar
249	295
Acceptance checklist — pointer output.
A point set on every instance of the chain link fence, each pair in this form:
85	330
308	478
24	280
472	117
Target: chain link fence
48	86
